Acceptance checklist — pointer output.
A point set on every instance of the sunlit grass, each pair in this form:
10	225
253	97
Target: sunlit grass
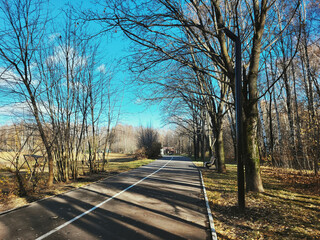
288	209
122	166
118	163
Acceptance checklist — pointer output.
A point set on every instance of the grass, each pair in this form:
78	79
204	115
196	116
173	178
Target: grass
125	164
288	209
8	199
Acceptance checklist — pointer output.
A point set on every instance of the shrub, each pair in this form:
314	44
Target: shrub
154	151
148	141
140	153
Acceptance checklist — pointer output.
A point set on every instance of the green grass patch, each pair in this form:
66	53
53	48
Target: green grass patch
288	209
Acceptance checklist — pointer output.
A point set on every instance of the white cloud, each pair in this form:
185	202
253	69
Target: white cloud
60	56
21	109
8	78
102	68
138	101
14	109
53	36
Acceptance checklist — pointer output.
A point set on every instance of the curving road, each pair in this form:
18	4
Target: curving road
162	200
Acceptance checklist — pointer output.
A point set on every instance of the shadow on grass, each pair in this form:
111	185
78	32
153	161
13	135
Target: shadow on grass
256	223
129	159
281	212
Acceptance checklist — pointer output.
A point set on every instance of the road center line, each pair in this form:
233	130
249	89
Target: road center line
99	205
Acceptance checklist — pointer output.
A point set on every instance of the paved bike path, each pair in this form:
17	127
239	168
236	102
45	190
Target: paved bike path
162	200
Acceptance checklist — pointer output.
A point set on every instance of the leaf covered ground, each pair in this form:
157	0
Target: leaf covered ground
8	194
288	209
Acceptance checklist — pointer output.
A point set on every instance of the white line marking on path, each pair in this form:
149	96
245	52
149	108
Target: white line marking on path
99	205
213	231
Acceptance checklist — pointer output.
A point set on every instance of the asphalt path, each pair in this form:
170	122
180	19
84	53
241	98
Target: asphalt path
162	200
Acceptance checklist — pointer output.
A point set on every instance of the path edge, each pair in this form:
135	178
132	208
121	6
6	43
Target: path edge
63	193
211	224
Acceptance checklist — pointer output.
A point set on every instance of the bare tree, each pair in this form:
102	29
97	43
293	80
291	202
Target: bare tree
165	30
23	26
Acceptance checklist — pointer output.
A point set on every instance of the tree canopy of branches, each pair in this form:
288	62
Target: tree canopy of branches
191	34
54	71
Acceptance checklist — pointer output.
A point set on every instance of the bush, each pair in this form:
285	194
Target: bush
154	151
148	142
141	153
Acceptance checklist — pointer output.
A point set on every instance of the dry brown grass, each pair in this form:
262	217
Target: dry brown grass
288	209
8	195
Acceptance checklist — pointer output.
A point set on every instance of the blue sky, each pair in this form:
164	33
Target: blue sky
133	112
116	47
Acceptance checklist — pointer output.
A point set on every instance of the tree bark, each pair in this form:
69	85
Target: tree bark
42	133
251	152
219	147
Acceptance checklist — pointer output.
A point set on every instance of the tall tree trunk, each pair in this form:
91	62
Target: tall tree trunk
269	117
262	138
279	140
251	152
290	113
219	149
250	100
295	163
203	144
42	132
309	91
271	137
300	151
197	153
195	149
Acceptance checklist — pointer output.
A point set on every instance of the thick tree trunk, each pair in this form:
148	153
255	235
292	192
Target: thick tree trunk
197	144
251	153
216	122
292	141
219	149
208	144
195	147
250	148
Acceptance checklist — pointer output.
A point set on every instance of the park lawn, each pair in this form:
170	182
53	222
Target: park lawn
117	163
288	209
